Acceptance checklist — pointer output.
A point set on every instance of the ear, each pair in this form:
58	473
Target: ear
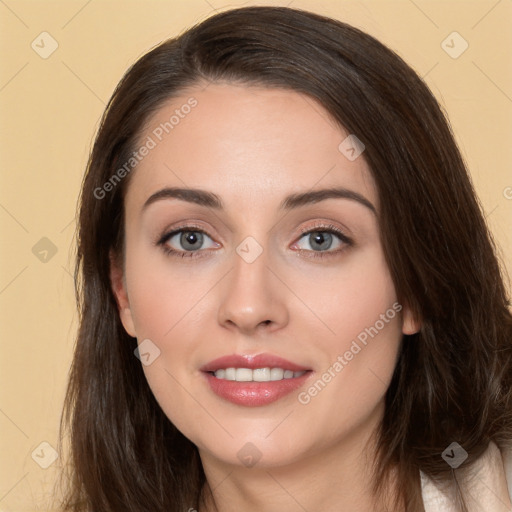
118	285
410	325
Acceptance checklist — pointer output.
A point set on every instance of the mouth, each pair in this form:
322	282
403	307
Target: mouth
253	381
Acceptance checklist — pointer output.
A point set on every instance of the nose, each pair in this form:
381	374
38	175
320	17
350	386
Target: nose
253	298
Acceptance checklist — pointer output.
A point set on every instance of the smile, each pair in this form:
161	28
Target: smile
257	374
254	380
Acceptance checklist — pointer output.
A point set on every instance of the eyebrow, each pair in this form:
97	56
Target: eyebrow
293	201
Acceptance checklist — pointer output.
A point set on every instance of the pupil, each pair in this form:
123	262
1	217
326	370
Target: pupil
189	238
323	239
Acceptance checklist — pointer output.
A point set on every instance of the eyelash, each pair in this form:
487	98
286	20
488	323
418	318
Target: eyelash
320	228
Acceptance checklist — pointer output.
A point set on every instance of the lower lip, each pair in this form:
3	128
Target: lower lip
254	394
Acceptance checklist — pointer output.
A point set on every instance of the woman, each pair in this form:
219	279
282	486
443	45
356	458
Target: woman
289	298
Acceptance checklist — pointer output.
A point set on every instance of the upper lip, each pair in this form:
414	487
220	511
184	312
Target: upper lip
252	362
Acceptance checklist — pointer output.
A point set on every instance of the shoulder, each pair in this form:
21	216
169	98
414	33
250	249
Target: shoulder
486	485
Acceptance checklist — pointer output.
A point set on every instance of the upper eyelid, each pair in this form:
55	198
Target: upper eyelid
193	227
167	233
325	226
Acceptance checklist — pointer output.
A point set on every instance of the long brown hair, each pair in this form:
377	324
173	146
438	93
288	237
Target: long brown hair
453	380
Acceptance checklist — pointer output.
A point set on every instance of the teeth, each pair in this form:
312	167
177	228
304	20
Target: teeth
243	375
256	375
261	374
220	374
276	374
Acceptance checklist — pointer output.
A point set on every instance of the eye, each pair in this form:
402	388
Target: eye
188	242
185	241
321	239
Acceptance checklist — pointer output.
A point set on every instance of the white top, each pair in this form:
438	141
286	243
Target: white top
487	485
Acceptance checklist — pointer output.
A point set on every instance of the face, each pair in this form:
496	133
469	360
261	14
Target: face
262	270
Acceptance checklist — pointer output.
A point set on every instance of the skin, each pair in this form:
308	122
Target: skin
252	147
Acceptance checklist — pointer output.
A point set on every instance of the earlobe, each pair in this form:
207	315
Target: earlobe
410	325
118	286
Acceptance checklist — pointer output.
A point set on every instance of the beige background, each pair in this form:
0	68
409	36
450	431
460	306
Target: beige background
49	112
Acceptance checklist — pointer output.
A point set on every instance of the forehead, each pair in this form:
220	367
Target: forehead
253	144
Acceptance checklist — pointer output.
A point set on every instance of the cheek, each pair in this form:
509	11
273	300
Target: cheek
352	298
348	393
364	320
167	309
163	296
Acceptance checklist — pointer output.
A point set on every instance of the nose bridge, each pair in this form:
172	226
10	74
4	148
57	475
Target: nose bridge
252	295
